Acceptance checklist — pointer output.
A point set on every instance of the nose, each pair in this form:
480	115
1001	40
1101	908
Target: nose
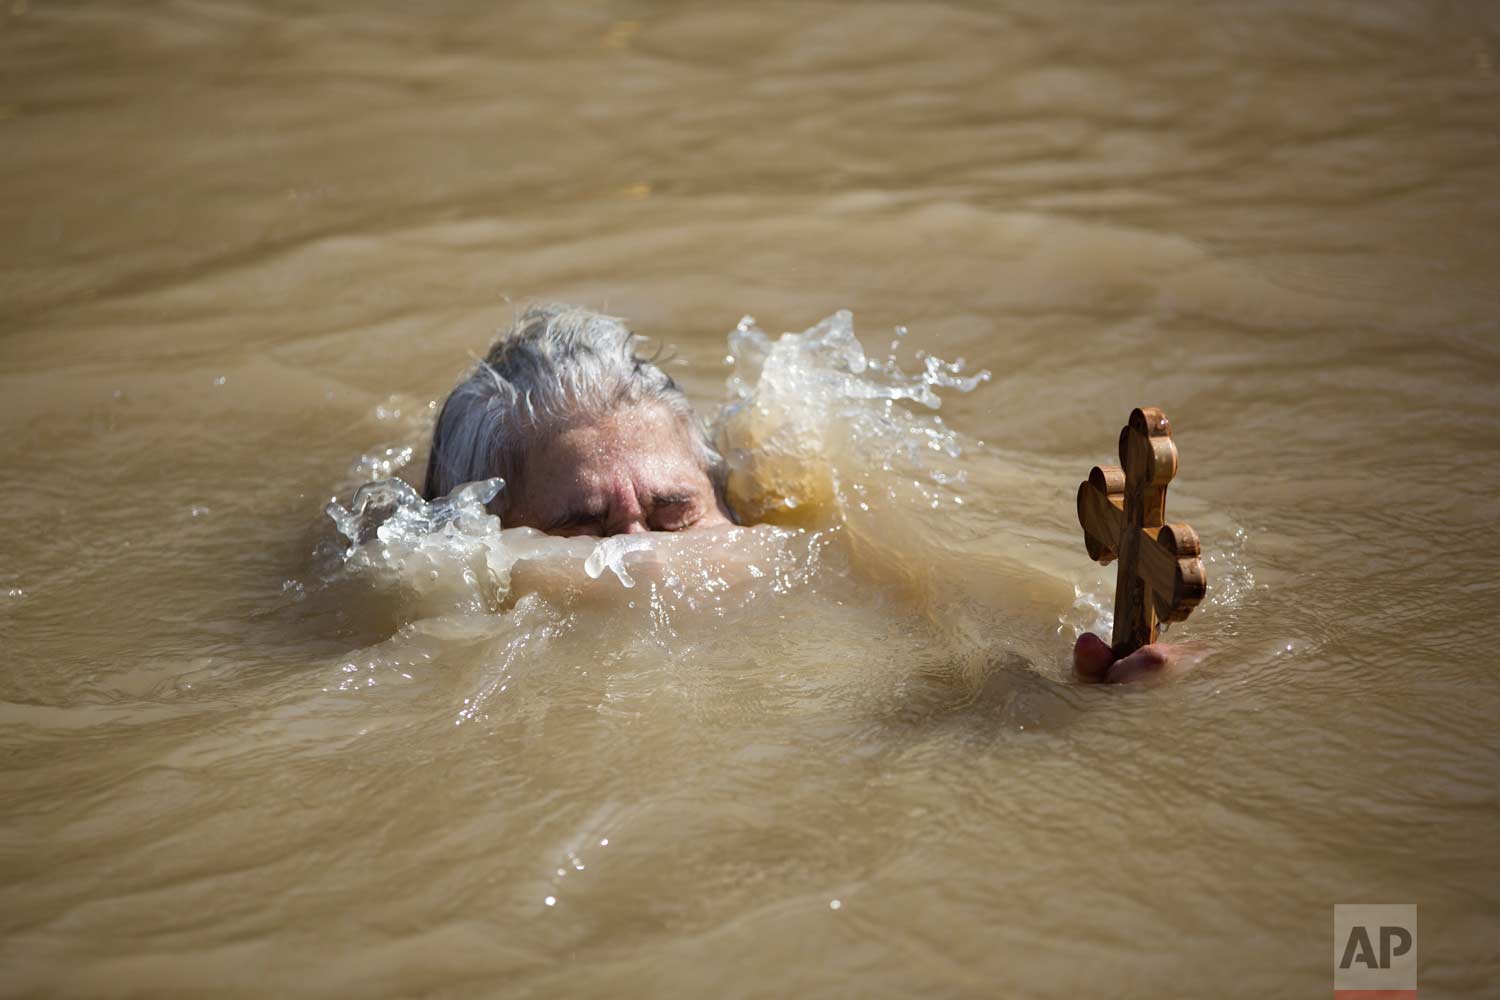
626	514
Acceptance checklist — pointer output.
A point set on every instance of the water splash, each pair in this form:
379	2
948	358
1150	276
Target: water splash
383	462
812	415
442	555
393	511
610	554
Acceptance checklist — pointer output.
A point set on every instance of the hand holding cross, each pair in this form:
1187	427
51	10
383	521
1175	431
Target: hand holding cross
1122	511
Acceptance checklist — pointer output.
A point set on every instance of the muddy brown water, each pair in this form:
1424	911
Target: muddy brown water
247	246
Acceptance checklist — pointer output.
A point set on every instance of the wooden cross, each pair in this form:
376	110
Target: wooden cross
1121	511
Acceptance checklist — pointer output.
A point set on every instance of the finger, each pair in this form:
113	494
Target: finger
1091	658
1148	663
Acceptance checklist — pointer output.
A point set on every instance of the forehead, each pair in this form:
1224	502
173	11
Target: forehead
645	444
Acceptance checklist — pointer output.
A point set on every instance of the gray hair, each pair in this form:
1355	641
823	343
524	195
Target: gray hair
558	364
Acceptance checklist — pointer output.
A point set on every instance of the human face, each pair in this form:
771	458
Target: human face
633	471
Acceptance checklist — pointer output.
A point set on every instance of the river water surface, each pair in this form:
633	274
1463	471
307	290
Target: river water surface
248	247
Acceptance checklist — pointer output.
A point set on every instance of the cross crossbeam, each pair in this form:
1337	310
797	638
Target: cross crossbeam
1122	510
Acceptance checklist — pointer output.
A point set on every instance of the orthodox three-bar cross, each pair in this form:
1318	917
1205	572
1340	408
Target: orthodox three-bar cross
1122	512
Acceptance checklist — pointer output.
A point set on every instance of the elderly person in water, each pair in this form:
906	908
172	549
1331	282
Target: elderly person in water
592	439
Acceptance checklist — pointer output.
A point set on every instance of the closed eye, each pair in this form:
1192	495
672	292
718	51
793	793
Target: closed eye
577	522
674	511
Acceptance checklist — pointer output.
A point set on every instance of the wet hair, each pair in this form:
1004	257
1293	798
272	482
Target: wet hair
556	366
